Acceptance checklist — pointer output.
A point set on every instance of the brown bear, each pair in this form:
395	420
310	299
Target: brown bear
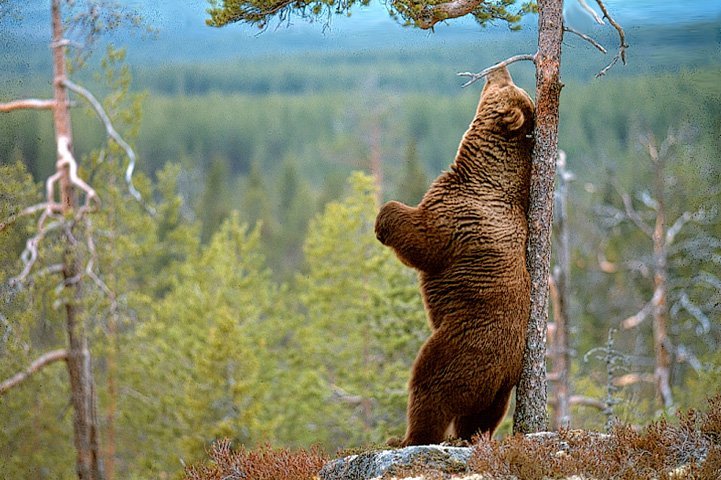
467	239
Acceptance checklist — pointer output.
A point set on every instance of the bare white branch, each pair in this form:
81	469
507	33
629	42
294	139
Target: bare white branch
32	209
584	401
632	214
640	316
591	12
621	55
684	355
66	160
632	378
474	77
697	313
698	216
42	361
648	200
27	104
112	133
30	254
605	265
710	279
586	38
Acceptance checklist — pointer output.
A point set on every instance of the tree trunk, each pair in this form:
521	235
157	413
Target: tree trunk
88	464
530	414
662	372
561	352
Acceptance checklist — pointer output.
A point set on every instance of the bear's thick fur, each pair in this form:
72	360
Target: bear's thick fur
467	238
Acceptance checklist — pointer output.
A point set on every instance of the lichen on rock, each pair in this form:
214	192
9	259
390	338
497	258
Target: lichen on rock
371	465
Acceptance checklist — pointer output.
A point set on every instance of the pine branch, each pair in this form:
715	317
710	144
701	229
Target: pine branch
433	14
474	77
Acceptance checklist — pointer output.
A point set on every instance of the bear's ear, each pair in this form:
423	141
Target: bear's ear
514	118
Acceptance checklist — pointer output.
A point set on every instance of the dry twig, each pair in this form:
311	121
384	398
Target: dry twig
621	55
474	77
585	37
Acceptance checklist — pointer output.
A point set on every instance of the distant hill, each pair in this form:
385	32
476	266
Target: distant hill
183	37
663	38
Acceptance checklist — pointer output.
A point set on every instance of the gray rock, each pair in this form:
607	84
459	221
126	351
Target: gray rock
370	465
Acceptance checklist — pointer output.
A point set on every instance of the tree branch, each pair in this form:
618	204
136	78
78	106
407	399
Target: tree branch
27	104
621	40
66	160
632	214
23	213
474	77
591	12
433	14
584	401
640	316
632	378
112	133
696	313
585	37
43	361
30	254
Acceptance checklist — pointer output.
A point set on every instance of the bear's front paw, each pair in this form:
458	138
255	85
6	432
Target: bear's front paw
395	442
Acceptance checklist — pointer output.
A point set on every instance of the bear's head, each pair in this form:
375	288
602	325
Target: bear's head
504	107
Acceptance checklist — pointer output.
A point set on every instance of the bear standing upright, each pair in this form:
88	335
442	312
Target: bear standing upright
467	239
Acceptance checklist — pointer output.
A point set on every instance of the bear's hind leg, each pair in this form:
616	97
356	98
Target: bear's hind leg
427	423
486	421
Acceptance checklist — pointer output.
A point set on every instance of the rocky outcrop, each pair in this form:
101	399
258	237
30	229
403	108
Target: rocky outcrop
369	465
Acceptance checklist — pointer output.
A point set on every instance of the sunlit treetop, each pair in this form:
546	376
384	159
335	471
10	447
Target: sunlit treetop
422	14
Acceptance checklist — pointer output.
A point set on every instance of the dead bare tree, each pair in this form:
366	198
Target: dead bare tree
653	224
559	281
69	201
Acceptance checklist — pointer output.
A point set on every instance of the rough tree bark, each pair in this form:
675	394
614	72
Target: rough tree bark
85	428
531	396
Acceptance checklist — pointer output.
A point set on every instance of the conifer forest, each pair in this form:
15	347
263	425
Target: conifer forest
187	213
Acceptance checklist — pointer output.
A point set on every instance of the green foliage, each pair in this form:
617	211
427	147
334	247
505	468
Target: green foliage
365	321
29	412
260	12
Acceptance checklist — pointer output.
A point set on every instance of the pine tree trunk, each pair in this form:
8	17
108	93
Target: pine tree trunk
662	371
530	414
88	464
